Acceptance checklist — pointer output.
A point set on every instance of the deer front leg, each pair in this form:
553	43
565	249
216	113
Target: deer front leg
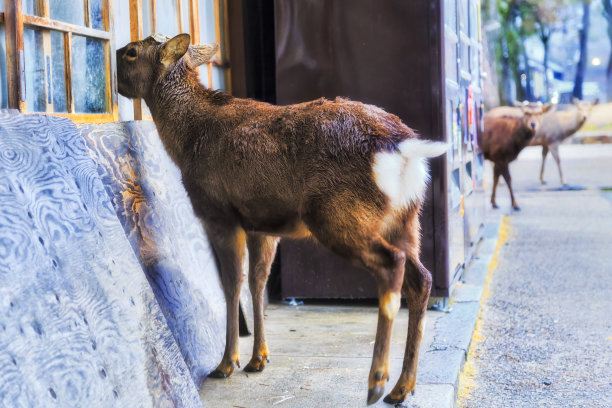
496	174
417	284
506	173
554	150
544	153
261	254
228	244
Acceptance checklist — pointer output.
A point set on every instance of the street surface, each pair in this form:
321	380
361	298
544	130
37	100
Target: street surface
544	336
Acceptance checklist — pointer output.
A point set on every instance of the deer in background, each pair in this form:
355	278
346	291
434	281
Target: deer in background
556	126
504	137
349	175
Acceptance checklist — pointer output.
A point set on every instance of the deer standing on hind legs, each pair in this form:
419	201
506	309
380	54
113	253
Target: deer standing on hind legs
350	175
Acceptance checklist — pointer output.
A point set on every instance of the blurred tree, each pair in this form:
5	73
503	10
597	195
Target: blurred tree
583	35
546	20
607	11
508	50
525	26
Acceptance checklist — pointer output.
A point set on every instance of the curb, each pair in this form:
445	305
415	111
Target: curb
453	332
593	137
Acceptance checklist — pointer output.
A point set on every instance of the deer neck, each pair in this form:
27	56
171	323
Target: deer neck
176	105
578	121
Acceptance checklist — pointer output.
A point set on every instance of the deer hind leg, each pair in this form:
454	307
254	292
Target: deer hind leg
416	288
228	244
261	254
350	230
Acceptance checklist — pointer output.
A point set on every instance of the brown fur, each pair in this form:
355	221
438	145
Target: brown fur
502	140
255	172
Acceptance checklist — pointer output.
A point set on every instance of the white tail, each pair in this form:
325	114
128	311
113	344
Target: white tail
404	176
422	148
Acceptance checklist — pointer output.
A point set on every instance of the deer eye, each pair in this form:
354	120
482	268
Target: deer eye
131	53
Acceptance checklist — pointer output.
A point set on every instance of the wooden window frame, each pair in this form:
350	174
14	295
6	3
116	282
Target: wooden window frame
136	34
15	21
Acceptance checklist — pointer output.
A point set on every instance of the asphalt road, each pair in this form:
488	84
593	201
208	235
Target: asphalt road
544	337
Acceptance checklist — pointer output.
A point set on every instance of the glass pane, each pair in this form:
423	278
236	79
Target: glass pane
35	70
450	58
88	75
58	72
146	18
95	13
204	75
450	14
207	21
3	88
30	7
70	11
167	17
185	16
218	78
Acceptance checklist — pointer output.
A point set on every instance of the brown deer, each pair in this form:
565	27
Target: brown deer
556	126
349	175
504	137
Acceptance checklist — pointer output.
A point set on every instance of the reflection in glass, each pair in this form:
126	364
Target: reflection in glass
70	11
58	72
218	78
88	75
146	18
185	15
95	12
34	70
3	87
207	21
29	7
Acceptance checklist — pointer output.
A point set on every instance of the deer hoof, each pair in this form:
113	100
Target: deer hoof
256	364
516	208
396	397
375	393
218	374
224	370
377	386
494	206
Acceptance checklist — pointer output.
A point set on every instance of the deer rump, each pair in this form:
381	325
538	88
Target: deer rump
279	163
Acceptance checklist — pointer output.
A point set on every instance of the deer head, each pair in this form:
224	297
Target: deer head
143	63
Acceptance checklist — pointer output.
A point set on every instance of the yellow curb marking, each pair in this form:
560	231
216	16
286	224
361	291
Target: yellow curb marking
467	377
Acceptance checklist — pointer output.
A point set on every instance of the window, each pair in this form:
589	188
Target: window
59	58
204	20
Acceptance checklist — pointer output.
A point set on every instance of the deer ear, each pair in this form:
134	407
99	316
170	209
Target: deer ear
202	53
173	49
547	107
596	101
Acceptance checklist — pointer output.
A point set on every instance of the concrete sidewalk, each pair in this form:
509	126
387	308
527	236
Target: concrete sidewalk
320	355
543	339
